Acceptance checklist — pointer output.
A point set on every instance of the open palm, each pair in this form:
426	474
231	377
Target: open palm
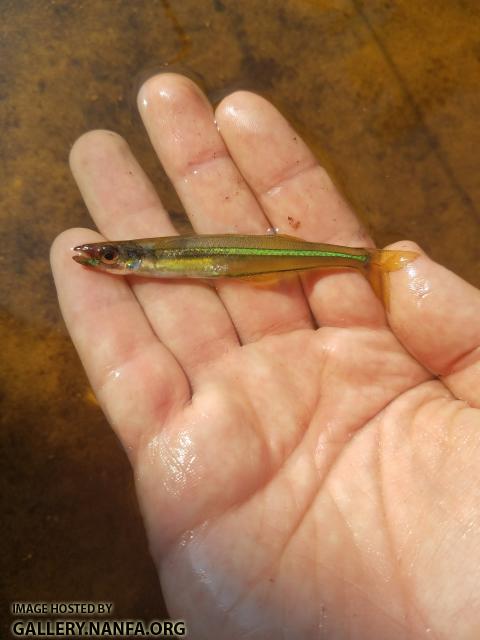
305	468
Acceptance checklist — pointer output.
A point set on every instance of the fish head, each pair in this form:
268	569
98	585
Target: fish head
115	257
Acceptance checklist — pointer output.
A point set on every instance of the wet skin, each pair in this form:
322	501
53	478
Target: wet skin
306	465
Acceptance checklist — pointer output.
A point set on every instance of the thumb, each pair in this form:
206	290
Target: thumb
436	315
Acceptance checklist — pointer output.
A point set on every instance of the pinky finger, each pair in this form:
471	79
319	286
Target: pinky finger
136	379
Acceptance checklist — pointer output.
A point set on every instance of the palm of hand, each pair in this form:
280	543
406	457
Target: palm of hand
284	481
311	481
280	495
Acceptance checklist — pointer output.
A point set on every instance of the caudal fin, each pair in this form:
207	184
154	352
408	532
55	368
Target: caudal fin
381	263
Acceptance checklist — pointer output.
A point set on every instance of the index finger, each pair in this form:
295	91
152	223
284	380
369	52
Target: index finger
299	199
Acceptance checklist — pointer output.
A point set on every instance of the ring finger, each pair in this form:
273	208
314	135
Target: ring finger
124	204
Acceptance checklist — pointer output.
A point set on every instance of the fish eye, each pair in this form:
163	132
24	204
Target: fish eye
108	254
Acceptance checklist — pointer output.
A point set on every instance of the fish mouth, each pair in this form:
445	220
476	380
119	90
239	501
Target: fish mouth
84	255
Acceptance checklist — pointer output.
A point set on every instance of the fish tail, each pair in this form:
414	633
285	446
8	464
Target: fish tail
379	266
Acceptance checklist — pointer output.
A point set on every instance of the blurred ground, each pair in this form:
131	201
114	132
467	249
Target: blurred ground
386	92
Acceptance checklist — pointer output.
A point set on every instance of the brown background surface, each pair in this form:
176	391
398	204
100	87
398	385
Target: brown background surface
386	92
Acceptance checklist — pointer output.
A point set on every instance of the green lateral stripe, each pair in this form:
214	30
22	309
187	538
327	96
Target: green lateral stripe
247	251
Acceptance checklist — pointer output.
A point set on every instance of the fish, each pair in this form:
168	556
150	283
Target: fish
252	257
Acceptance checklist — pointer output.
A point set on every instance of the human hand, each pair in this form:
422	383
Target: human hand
306	467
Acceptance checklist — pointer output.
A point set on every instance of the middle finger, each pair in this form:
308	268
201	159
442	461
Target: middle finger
181	126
